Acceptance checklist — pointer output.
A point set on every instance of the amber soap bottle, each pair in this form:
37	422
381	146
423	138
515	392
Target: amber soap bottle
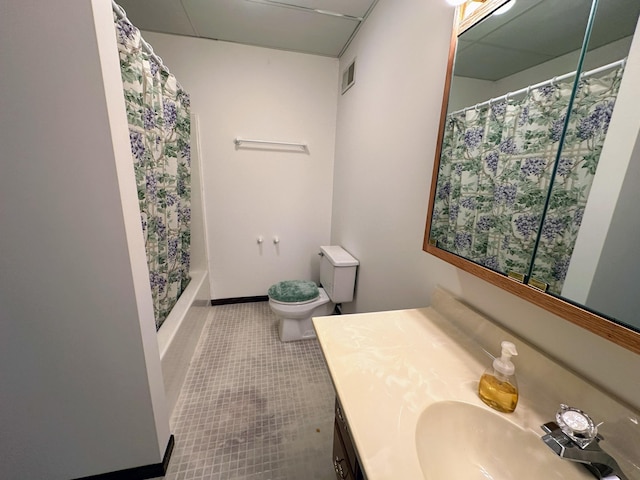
498	387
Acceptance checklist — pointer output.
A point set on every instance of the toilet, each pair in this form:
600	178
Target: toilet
295	302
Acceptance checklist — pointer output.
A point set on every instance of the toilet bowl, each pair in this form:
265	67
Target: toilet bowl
296	302
295	317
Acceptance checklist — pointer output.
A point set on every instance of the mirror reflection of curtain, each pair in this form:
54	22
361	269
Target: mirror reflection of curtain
495	169
586	132
495	172
159	131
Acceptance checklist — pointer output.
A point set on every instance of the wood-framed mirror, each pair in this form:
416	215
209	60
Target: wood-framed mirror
538	158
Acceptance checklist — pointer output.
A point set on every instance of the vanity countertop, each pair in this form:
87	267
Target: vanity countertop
387	367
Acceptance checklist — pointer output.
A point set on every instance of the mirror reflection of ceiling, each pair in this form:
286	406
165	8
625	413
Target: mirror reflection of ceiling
320	27
506	44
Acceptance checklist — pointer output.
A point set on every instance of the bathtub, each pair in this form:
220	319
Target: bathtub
180	332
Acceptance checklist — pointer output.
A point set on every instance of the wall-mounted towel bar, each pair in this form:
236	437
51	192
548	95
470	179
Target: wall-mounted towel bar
303	147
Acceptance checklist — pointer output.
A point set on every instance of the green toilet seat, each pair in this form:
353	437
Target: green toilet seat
294	291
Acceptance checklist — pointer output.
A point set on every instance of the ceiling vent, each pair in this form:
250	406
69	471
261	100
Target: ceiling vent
349	76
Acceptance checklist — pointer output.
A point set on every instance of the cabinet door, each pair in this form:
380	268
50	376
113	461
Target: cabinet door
350	450
341	463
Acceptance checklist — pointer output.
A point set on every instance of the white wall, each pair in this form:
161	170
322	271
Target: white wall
251	92
385	141
614	289
82	390
466	92
180	332
612	168
385	144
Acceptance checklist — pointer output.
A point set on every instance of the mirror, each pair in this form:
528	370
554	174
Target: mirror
529	180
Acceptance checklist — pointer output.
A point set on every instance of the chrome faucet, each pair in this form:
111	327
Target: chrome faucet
574	436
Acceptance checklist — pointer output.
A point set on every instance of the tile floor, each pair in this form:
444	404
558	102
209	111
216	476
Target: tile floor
252	407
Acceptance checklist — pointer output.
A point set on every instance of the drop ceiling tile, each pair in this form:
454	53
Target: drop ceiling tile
487	62
463	44
540	30
354	8
615	19
270	26
493	22
158	15
553	29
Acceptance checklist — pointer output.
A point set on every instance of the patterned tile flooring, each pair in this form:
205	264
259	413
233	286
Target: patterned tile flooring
252	407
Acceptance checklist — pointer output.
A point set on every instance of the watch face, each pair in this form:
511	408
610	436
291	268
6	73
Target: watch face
577	421
577	425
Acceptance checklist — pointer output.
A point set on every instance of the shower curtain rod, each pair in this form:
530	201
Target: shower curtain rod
551	81
119	11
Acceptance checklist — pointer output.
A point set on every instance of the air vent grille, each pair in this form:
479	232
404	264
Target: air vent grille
349	77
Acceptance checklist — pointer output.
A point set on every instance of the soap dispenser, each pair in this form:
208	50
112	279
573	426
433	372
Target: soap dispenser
498	387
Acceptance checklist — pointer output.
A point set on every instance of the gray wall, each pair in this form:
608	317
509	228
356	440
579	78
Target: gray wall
615	285
385	145
82	389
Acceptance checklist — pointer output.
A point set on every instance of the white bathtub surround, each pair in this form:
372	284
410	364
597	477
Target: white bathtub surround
407	360
180	332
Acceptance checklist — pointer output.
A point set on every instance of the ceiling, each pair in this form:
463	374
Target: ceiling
536	31
320	27
531	33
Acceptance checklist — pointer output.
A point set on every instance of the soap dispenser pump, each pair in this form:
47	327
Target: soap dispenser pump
498	387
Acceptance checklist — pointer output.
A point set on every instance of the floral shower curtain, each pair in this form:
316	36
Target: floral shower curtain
495	172
158	112
586	132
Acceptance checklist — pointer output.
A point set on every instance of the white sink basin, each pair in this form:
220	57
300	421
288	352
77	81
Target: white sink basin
463	441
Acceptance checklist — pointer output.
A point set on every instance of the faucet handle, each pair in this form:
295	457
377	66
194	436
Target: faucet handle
572	437
576	425
549	427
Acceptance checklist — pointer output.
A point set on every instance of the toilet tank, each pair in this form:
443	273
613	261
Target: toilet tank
338	273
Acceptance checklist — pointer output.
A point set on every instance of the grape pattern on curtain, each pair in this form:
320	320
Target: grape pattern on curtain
579	158
495	172
158	113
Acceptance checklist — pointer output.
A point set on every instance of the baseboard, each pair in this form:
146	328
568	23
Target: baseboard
231	301
139	473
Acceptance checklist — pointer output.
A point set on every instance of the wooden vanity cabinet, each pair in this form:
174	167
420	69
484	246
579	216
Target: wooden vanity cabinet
345	460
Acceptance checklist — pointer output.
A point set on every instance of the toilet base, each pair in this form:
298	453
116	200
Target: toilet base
292	329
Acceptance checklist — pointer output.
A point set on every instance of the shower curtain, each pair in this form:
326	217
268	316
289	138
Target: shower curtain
495	172
159	131
586	132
